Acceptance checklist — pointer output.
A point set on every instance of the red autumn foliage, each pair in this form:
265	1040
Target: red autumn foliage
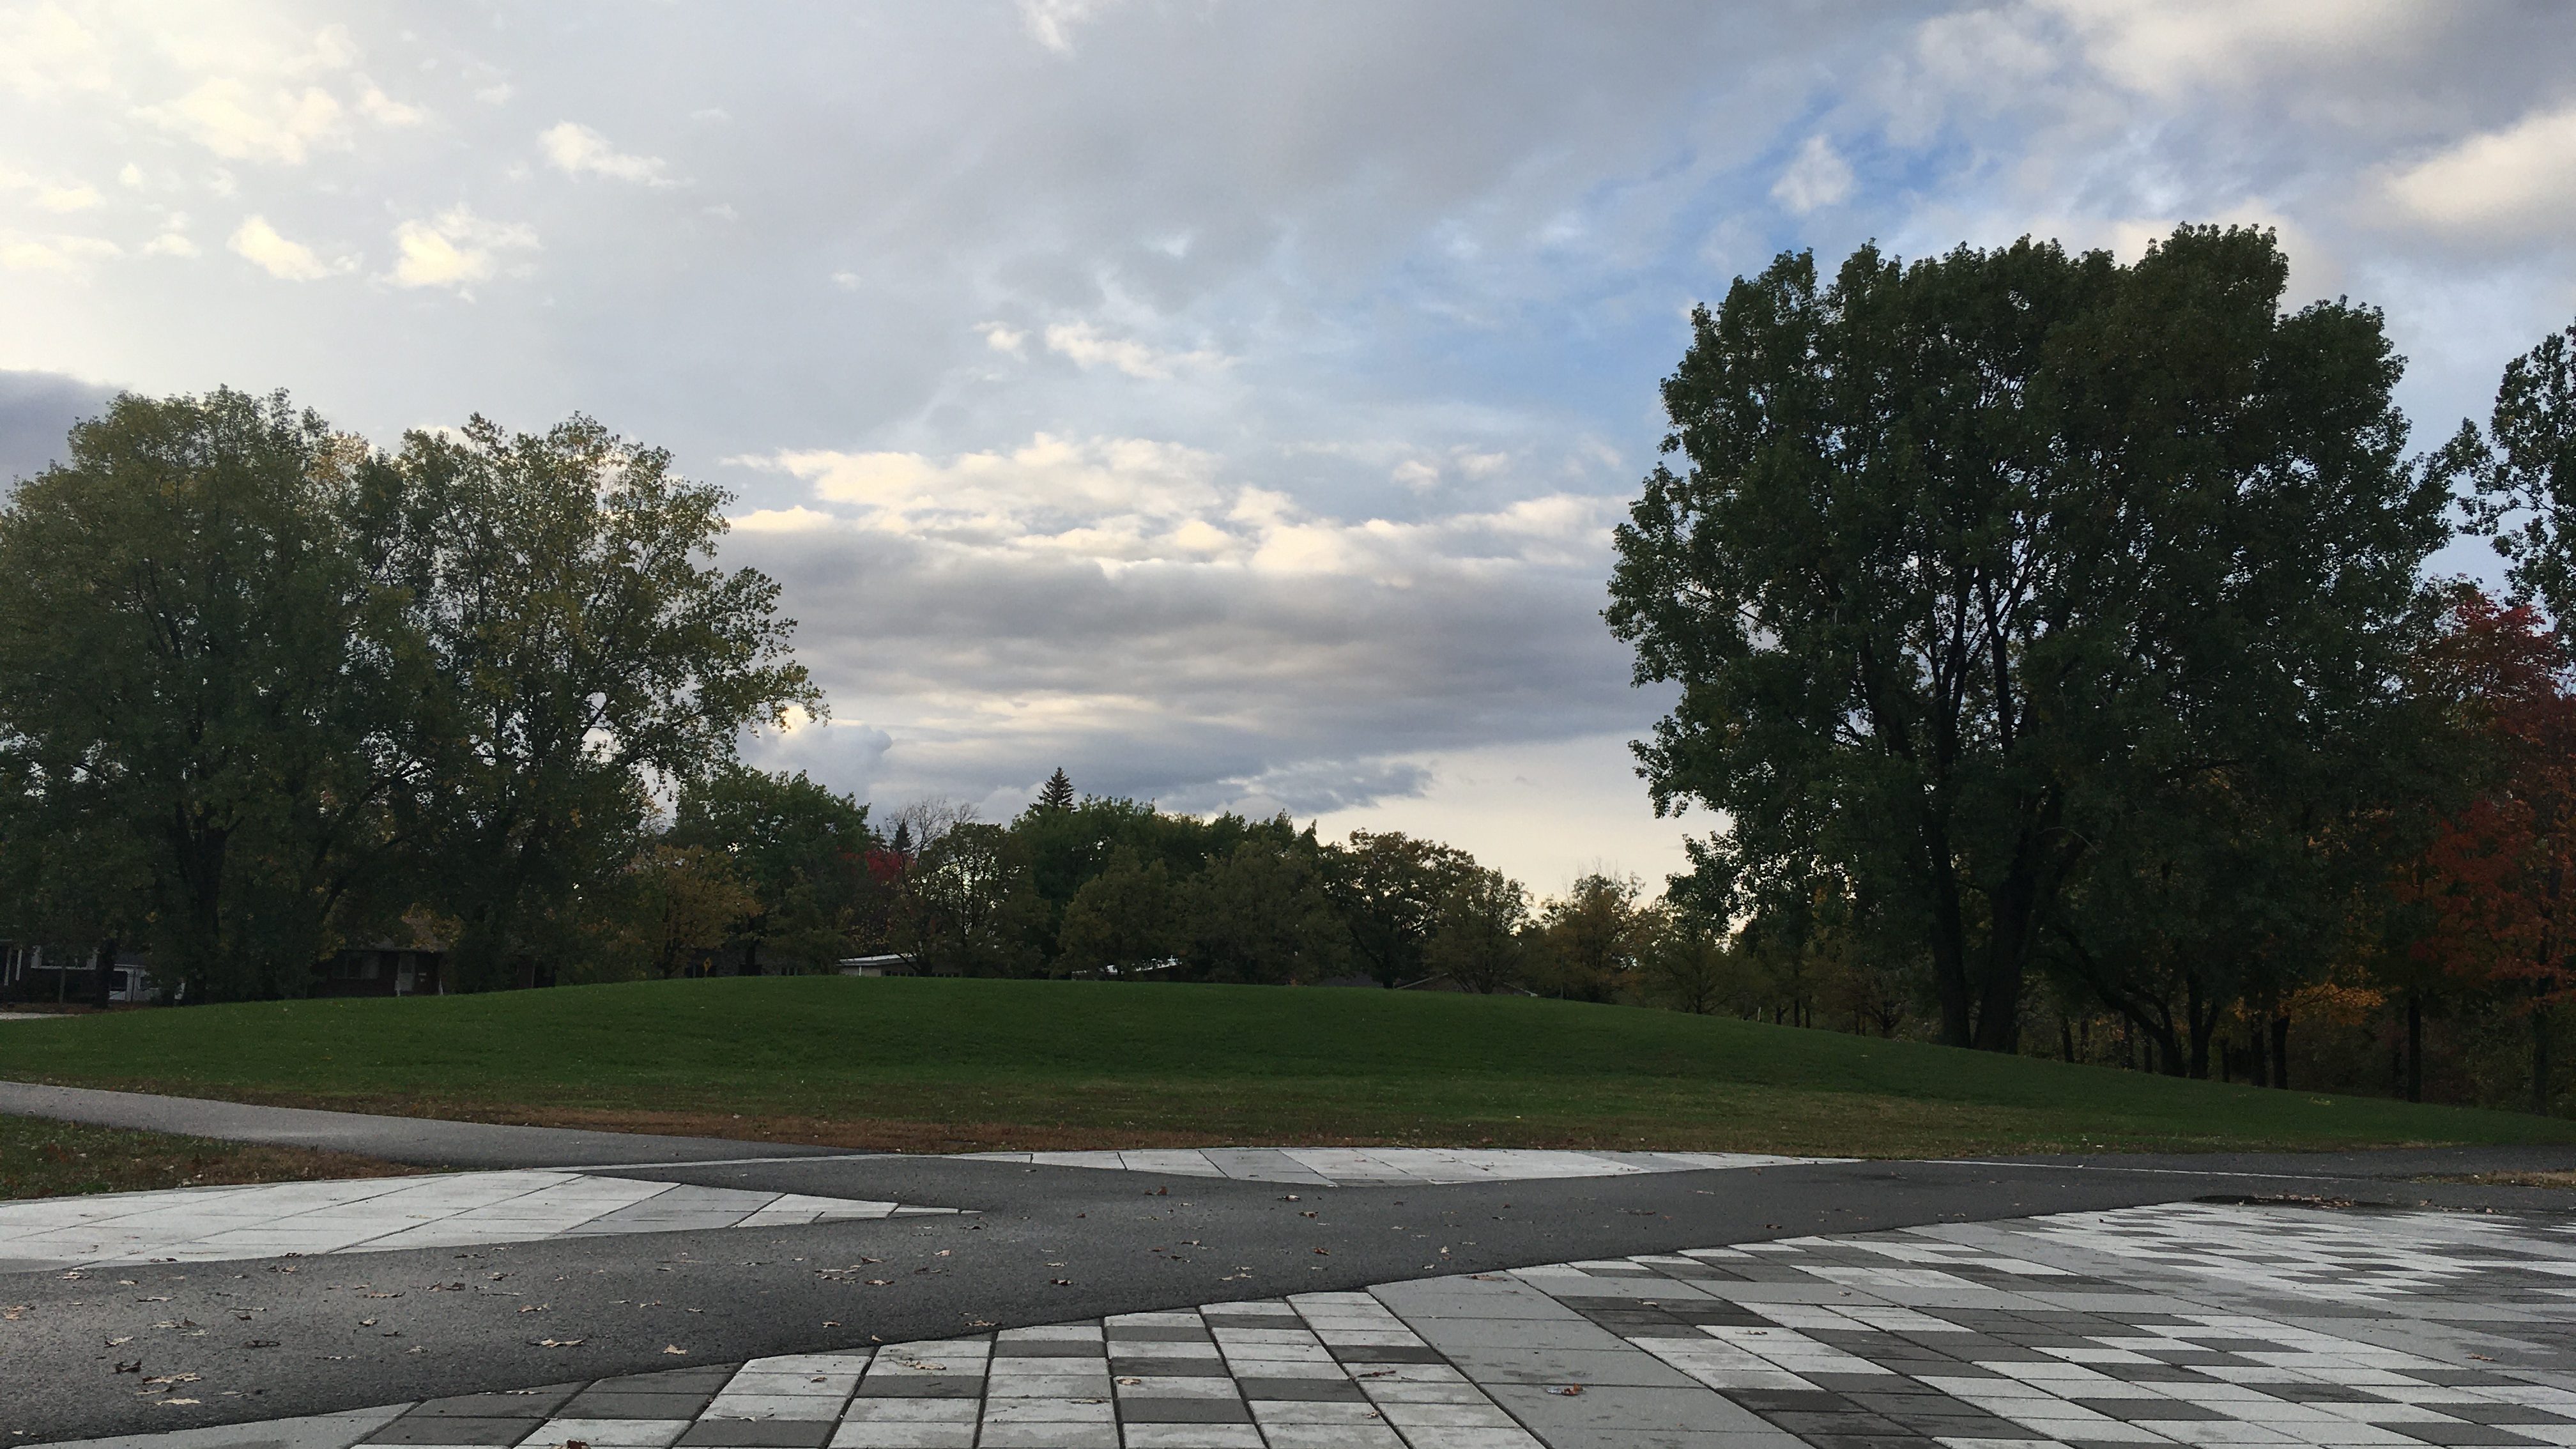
2499	882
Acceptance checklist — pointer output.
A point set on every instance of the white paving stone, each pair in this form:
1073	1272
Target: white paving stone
386	1214
1392	1166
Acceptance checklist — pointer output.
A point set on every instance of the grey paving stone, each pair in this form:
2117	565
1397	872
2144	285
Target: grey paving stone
444	1429
525	1404
1156	1409
596	1404
1542	1365
757	1434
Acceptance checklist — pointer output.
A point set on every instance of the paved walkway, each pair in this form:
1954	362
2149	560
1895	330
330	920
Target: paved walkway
387	1214
1393	1166
2176	1325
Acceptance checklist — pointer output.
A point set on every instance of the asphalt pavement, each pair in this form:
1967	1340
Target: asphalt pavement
1035	1245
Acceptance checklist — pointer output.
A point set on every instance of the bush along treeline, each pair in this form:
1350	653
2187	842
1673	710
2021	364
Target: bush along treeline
2056	640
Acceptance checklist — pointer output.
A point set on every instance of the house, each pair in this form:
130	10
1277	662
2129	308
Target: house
28	972
384	967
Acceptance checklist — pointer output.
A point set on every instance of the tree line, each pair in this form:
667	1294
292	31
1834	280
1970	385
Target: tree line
2057	648
266	691
2056	642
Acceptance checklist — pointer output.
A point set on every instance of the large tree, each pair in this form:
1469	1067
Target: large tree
588	644
1970	551
207	687
1388	887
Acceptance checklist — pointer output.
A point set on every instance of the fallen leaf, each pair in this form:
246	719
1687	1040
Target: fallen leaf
182	1401
557	1342
1061	1282
1130	1382
130	1366
1569	1391
675	1348
113	1342
260	1343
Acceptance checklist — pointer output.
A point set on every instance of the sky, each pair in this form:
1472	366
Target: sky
1226	402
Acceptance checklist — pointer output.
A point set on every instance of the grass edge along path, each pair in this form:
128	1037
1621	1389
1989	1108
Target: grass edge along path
954	1065
70	1159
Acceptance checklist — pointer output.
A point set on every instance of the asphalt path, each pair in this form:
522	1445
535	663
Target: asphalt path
1042	1244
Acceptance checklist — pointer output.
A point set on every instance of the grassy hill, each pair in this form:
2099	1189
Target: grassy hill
954	1065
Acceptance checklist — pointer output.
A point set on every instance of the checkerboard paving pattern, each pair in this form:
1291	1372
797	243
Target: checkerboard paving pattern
1392	1166
385	1214
2197	1325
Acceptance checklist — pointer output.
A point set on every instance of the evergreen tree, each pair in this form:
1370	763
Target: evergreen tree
1058	794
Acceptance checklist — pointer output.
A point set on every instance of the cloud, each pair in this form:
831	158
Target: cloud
45	50
170	244
67	198
578	150
261	244
1088	347
1128	607
55	253
2179	45
1051	23
36	410
384	110
2506	184
1818	177
1003	339
240	122
454	249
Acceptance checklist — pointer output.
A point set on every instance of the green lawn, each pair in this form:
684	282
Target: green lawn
932	1065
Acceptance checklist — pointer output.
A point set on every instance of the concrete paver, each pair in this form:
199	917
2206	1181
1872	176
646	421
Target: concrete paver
2184	1324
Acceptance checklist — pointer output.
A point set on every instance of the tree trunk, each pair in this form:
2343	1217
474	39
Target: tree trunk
2258	1062
2540	1059
2281	1051
106	971
2414	1047
2066	1038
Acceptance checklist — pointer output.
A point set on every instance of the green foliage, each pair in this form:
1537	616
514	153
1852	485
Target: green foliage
799	848
207	694
1586	945
1125	918
285	689
1476	936
2525	472
1389	887
1977	558
584	644
1260	915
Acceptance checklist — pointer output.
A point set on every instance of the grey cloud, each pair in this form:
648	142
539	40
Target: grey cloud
1189	683
36	410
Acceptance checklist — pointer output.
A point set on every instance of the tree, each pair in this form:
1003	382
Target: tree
1388	887
1585	945
681	903
2525	473
1259	915
1688	964
205	682
585	645
1058	794
2496	889
799	846
1476	941
1124	917
968	904
1971	550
